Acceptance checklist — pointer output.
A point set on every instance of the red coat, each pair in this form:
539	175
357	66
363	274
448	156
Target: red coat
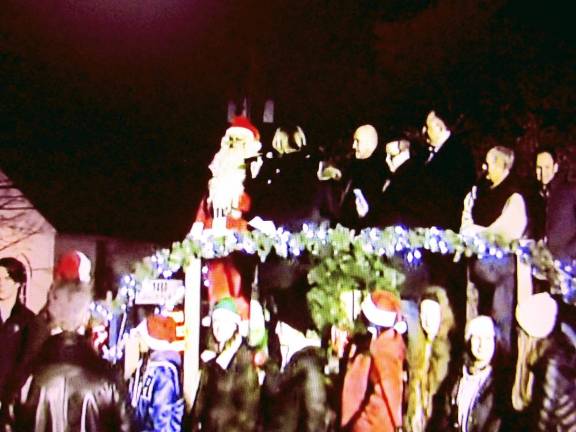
382	368
223	276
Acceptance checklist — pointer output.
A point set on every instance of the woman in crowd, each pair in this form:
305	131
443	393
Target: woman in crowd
428	357
471	401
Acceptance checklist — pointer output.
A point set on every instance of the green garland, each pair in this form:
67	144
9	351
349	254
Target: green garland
343	261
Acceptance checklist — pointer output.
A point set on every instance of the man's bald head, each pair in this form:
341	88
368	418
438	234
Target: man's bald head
365	141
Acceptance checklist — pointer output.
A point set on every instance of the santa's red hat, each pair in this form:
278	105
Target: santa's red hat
160	334
245	123
73	266
383	308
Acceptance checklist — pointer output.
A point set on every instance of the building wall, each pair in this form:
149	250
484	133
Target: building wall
27	236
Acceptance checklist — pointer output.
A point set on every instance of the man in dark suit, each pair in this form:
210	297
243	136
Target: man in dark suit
448	173
364	180
447	176
558	196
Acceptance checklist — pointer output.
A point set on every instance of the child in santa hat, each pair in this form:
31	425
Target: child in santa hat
156	388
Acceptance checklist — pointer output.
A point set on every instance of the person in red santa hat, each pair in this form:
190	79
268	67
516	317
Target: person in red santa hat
73	267
372	390
225	204
157	387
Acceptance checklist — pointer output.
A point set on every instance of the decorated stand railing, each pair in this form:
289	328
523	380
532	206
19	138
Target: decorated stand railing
342	260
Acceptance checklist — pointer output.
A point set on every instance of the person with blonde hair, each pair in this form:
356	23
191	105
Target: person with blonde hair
428	357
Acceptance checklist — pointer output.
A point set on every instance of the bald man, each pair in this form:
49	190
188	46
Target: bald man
365	178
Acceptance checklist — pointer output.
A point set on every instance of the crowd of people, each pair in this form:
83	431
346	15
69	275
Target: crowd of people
432	358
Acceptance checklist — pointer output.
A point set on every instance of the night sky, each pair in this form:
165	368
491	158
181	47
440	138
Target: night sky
110	110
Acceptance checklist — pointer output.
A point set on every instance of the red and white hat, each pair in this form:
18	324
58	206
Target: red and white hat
244	123
73	266
160	334
383	308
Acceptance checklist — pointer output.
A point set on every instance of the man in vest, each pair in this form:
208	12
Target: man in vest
496	207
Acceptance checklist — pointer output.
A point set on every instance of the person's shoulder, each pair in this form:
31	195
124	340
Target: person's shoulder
22	314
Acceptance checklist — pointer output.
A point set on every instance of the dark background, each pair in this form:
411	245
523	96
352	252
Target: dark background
110	110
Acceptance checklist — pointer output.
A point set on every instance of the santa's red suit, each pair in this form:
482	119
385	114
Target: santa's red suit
224	279
226	196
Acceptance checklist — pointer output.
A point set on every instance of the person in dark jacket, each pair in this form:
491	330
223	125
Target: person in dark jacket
286	190
471	404
15	320
70	388
363	181
556	223
551	389
72	266
448	173
498	209
229	393
294	390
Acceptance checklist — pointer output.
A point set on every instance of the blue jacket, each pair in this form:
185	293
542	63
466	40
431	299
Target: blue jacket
159	405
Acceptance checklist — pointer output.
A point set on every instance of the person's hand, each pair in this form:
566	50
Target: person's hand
361	203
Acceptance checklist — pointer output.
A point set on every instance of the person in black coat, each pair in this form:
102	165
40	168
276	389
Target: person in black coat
448	173
70	387
557	222
15	320
552	363
286	190
363	181
294	391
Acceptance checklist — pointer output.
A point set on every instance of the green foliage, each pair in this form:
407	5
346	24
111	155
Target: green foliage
347	267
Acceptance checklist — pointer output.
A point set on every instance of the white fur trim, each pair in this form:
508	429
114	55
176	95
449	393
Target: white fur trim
158	344
84	267
378	316
226	315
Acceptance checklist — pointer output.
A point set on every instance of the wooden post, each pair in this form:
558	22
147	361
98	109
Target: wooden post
192	318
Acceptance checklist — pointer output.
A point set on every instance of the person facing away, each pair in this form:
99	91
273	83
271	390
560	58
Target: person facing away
545	376
294	391
15	320
70	388
373	387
